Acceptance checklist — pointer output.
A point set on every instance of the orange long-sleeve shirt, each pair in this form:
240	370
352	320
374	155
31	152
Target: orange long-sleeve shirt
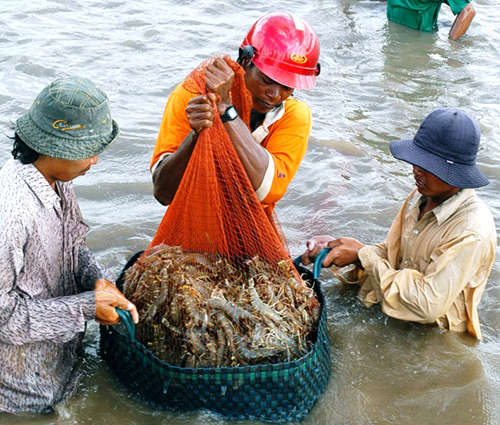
286	141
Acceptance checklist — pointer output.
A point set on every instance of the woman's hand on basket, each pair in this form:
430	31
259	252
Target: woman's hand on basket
108	297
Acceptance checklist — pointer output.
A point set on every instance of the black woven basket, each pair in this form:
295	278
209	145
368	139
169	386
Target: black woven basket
272	392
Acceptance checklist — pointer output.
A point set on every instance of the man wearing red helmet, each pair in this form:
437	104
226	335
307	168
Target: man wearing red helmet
279	54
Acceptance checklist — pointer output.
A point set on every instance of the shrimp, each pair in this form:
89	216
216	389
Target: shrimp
221	347
171	327
234	312
258	305
226	326
196	342
175	309
152	310
282	340
250	355
194	316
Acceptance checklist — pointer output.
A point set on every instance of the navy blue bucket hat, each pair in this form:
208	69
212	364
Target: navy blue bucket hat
69	119
445	145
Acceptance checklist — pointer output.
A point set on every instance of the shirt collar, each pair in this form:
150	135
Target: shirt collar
37	183
260	133
447	208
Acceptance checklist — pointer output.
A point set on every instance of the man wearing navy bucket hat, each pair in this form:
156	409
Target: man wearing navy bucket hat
436	259
50	283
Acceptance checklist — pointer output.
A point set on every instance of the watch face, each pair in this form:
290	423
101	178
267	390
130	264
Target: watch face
232	113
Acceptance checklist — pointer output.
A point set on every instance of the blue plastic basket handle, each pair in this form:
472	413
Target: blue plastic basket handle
317	262
127	321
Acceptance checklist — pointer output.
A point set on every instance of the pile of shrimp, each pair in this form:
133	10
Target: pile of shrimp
202	310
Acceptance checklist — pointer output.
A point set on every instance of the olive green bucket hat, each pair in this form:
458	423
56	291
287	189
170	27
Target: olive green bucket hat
69	119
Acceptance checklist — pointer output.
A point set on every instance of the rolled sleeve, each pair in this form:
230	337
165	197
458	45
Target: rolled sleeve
267	181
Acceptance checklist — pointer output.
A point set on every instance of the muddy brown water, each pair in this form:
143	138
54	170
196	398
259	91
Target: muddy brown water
378	81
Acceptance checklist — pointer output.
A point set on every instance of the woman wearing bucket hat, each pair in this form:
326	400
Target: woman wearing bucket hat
436	259
50	283
279	54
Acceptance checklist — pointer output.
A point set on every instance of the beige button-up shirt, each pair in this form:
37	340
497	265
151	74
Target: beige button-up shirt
47	277
433	270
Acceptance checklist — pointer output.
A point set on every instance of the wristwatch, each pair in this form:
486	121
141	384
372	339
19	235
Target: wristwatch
230	114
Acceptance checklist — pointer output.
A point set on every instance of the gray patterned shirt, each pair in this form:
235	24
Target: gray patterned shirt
47	277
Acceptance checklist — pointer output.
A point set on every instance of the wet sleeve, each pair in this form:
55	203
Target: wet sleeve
408	294
457	6
377	251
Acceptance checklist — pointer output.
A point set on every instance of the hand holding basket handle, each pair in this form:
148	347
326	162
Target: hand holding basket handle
126	318
108	299
318	261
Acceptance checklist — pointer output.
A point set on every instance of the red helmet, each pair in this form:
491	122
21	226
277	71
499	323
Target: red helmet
285	48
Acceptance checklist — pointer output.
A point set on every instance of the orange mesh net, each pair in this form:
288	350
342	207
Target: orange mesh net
215	209
216	286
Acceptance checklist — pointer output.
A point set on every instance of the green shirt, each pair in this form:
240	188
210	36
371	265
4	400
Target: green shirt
420	14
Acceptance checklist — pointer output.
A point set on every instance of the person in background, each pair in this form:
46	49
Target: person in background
436	259
423	14
279	54
50	283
